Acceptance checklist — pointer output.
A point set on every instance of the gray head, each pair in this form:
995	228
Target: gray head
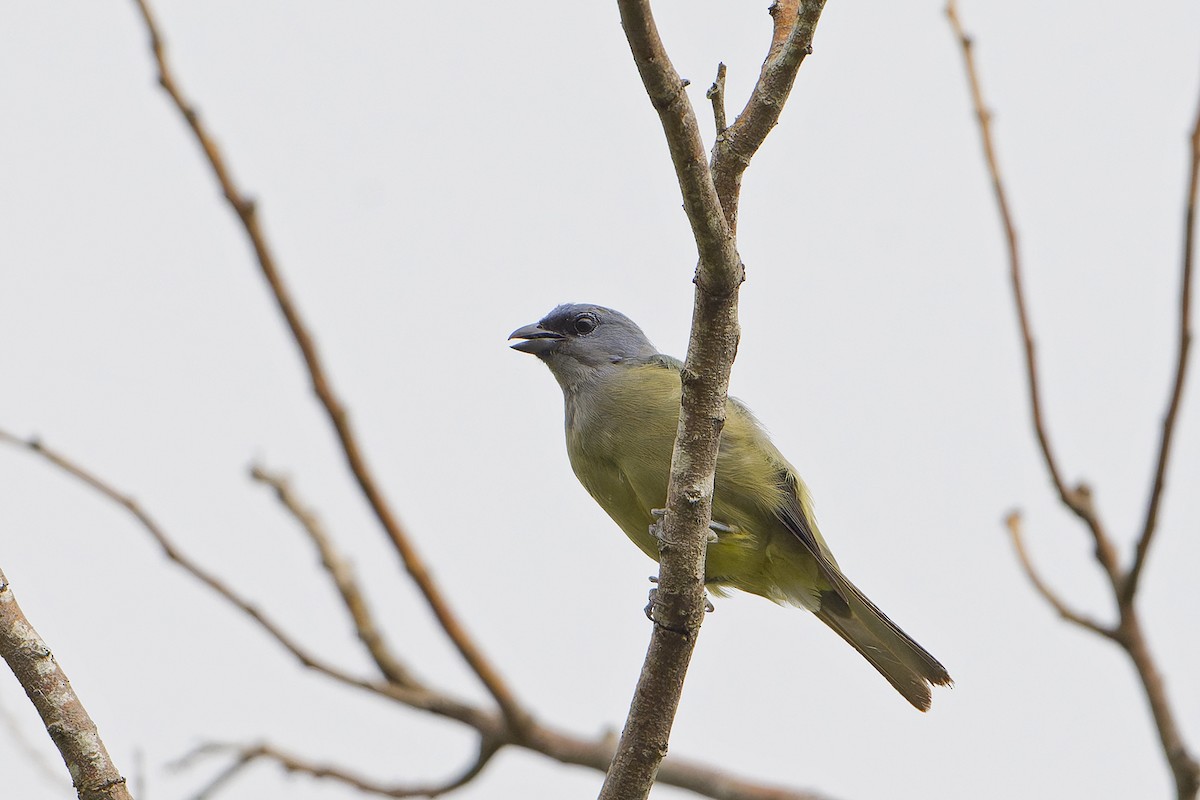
577	339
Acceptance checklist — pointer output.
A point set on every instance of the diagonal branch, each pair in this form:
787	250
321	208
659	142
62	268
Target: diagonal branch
343	578
334	409
714	239
73	732
246	755
1079	499
173	553
556	744
1181	363
1013	523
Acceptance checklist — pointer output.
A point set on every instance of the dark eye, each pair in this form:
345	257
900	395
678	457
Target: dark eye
585	324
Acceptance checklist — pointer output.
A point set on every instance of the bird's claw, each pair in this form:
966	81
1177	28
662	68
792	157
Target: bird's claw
714	528
649	609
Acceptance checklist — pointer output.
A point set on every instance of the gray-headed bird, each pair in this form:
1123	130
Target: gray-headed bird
622	411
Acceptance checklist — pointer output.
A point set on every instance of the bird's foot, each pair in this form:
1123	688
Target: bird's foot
649	610
714	528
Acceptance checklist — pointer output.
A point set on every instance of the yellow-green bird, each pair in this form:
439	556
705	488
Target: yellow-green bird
622	412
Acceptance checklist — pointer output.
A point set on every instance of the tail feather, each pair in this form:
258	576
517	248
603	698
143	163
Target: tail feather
906	665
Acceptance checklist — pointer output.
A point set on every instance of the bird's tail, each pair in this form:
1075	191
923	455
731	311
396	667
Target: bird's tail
905	664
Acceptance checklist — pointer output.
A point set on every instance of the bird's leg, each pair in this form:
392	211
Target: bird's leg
649	610
714	528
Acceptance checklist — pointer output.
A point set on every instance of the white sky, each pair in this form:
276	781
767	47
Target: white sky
432	176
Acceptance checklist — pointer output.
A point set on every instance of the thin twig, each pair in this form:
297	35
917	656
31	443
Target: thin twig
1013	522
1128	632
1181	364
334	408
1077	499
172	552
246	755
551	742
795	23
343	578
716	93
73	732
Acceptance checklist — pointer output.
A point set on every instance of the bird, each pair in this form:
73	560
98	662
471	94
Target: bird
622	402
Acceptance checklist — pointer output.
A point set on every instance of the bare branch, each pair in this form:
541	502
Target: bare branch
678	605
343	577
716	93
1078	499
71	729
714	240
1183	765
795	22
551	742
246	755
1128	633
334	408
1181	363
1013	522
179	557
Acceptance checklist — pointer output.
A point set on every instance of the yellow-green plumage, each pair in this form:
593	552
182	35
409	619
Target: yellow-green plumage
622	412
621	466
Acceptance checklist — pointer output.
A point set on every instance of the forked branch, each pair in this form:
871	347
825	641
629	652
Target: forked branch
493	729
710	199
1127	631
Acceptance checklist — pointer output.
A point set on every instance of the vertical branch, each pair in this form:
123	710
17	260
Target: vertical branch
72	730
1181	363
678	608
710	200
1127	633
716	93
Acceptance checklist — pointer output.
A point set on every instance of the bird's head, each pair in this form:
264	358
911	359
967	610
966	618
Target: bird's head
577	339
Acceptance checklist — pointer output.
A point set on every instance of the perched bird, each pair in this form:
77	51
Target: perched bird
622	410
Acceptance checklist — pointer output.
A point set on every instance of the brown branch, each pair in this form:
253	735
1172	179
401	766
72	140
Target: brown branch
1128	633
1181	363
246	755
71	729
795	23
494	728
1079	499
716	93
334	408
714	239
710	199
1013	522
176	555
344	580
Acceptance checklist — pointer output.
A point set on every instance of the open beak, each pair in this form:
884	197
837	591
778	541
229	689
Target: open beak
535	340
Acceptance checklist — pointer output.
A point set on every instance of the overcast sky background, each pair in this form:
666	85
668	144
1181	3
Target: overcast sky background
434	175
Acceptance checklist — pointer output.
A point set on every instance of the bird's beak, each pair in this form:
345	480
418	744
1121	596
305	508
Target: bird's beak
537	341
